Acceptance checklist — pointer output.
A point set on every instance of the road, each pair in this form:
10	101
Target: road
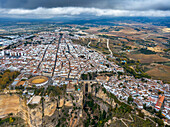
59	41
109	47
88	45
69	50
42	57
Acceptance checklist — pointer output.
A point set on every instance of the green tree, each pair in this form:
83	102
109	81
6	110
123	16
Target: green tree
130	99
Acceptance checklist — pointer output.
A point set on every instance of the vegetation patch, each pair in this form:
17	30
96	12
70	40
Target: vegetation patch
146	51
7	77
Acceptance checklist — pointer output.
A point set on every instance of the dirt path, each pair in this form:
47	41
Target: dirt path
109	47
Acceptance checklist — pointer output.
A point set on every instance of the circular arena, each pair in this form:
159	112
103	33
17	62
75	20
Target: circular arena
38	81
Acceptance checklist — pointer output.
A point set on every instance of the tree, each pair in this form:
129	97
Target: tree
141	114
11	120
130	99
160	122
144	106
84	76
7	78
159	114
76	88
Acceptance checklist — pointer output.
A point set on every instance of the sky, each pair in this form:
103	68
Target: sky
54	8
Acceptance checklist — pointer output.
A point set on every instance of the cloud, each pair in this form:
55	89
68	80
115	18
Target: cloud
102	4
76	11
147	4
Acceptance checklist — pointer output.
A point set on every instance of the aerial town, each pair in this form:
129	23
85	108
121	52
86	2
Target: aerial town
52	59
84	63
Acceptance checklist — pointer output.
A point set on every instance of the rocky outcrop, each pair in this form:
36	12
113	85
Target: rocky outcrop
100	94
35	116
24	111
48	111
49	107
9	104
61	102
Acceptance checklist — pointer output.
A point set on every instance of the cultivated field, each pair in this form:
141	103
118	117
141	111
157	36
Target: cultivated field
160	72
155	49
148	58
166	30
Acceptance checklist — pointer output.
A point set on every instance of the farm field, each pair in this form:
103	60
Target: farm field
160	72
148	58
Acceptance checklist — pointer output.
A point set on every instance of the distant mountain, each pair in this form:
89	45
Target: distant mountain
85	19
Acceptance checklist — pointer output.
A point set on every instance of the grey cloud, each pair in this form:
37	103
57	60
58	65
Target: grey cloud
102	4
76	11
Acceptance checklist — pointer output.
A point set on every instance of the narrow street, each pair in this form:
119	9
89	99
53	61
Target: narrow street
42	57
59	41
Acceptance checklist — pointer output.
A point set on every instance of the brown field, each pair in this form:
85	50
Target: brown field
156	49
127	31
37	81
166	30
148	58
9	104
160	40
2	30
92	30
160	72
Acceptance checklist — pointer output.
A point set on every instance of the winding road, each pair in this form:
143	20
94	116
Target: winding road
88	45
109	47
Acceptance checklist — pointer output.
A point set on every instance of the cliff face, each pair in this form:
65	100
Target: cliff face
64	110
61	102
35	116
38	115
24	111
15	105
48	112
9	104
100	94
49	107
